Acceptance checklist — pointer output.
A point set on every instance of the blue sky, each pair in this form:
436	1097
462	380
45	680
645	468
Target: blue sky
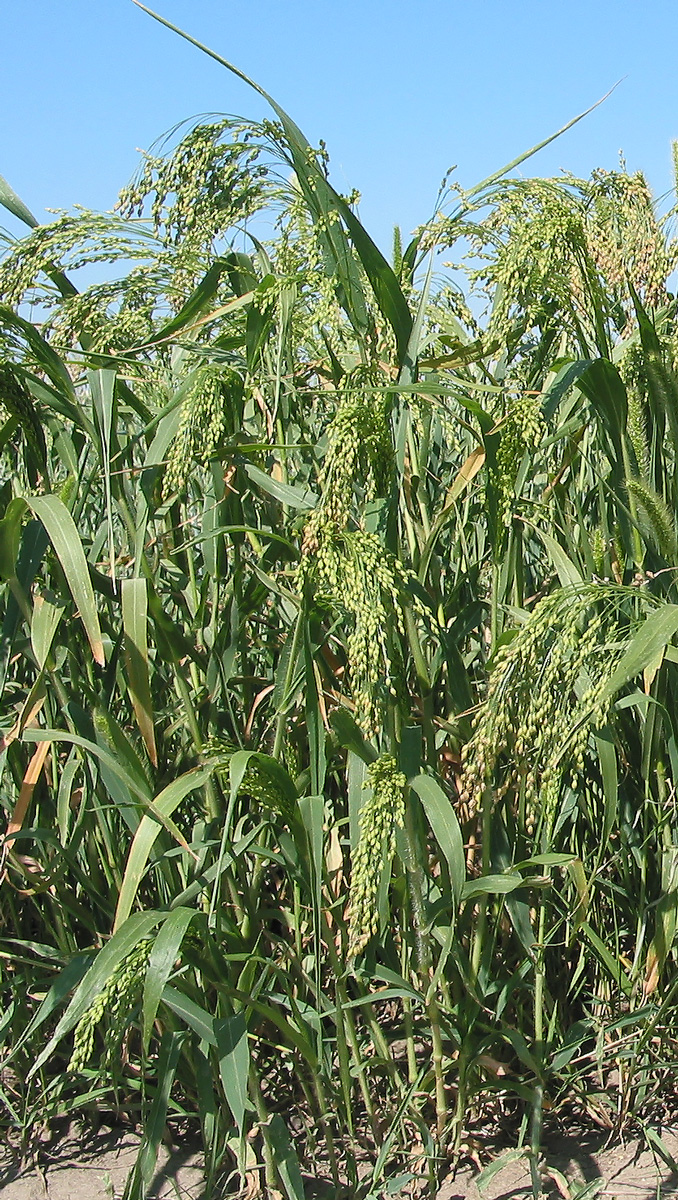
399	91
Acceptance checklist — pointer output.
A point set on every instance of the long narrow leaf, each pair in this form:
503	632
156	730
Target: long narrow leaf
135	626
160	965
65	539
318	191
120	945
165	804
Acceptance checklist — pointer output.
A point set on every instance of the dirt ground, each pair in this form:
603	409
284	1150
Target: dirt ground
96	1169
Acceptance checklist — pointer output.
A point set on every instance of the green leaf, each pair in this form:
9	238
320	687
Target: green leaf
443	821
516	162
10	537
588	1190
612	965
10	201
350	735
44	354
581	883
655	633
568	573
102	387
135	625
160	965
144	1169
120	945
487	1174
550	859
65	539
44	624
286	1161
492	884
607	758
294	497
69	772
565	379
276	773
516	1039
64	983
312	812
355	779
577	1034
194	1016
385	286
196	305
164	803
391	993
234	1063
323	201
602	384
396	981
660	1146
157	817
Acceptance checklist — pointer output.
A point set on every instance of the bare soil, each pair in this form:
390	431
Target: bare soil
95	1167
88	1165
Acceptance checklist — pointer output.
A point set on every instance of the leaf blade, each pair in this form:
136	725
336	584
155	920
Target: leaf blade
63	534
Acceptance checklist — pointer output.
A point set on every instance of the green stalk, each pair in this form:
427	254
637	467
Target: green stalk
281	441
271	1174
494	607
539	989
408	1023
213	807
358	1060
350	1029
415	877
296	903
540	980
424	681
638	553
326	1121
344	1065
412	542
459	1119
255	889
535	1139
433	1012
481	921
291	663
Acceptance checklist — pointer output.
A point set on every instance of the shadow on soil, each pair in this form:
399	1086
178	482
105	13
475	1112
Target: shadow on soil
93	1165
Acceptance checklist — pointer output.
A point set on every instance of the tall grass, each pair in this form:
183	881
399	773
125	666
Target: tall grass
339	740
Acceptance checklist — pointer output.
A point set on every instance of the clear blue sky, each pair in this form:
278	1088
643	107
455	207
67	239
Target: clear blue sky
399	91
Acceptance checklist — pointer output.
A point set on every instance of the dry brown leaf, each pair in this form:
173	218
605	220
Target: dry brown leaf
25	796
